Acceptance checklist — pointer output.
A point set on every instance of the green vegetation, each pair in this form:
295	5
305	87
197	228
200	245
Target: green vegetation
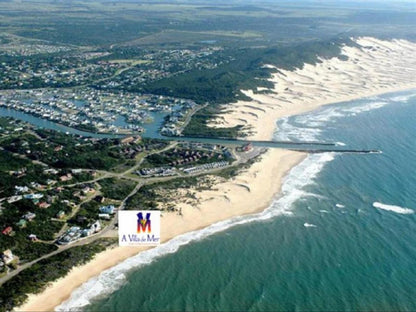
63	151
116	188
148	196
202	51
179	157
246	71
145	198
36	278
42	226
88	213
10	163
197	126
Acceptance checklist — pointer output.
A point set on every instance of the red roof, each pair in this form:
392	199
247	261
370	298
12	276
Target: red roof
7	230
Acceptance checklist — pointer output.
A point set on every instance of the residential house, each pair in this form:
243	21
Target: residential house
33	196
51	171
50	182
87	190
59	189
66	177
14	199
37	185
29	216
22	223
86	232
127	140
7	231
32	237
104	216
107	209
44	205
96	226
7	256
21	189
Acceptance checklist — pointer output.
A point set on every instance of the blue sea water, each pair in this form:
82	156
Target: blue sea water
321	246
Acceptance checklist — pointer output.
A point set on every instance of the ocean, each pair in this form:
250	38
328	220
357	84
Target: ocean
340	237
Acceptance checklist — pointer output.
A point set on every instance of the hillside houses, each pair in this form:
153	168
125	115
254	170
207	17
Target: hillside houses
75	233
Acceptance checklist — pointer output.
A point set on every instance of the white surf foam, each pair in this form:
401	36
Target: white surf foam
112	279
402	98
308	127
309	225
365	108
393	208
285	131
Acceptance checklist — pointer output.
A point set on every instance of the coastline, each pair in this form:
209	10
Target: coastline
240	201
374	67
288	98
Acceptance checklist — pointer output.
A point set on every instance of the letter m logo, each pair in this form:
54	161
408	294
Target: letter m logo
142	224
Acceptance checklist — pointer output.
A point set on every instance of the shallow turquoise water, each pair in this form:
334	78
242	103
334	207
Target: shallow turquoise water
321	246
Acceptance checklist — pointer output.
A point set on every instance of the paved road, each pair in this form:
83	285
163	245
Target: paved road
108	231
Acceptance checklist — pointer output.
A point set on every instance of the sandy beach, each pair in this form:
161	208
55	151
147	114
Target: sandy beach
374	67
249	192
377	67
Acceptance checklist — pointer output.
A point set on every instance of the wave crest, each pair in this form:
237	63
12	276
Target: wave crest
393	208
112	279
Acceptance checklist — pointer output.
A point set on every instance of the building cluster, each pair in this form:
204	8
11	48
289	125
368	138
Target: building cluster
156	65
106	212
176	121
75	233
184	155
204	167
157	172
96	110
62	72
30	49
28	217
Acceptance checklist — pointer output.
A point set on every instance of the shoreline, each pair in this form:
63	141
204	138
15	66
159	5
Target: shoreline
62	289
293	95
372	68
307	109
192	220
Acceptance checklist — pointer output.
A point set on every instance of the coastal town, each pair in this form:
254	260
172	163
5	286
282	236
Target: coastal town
47	205
100	111
61	190
46	66
270	142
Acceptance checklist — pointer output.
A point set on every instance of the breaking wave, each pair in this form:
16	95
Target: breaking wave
402	98
396	209
112	279
308	127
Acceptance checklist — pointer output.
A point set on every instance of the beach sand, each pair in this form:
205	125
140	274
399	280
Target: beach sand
249	192
377	67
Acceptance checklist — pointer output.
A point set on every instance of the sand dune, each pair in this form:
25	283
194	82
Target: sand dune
374	67
249	192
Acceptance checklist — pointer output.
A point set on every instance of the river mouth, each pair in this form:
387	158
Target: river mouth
152	132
